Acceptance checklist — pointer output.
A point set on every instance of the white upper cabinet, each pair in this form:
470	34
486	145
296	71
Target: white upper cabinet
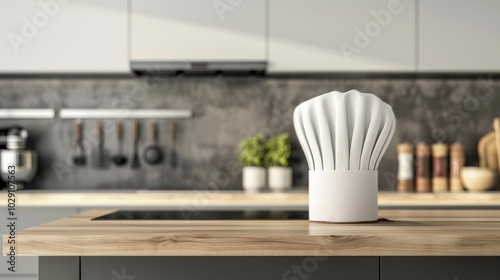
335	35
198	30
63	36
459	35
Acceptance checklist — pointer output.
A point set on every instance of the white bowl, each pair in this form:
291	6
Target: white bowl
477	179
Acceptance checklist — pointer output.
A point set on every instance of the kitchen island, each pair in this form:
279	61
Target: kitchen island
409	244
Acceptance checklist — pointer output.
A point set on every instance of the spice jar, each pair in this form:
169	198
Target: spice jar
440	167
457	161
423	153
405	167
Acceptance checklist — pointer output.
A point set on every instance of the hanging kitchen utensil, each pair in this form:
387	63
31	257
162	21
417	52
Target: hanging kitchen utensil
119	159
135	153
100	156
153	154
173	150
79	158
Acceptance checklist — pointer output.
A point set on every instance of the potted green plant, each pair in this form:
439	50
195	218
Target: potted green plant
252	160
277	159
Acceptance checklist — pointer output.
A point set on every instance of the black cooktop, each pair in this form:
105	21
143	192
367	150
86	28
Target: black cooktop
205	215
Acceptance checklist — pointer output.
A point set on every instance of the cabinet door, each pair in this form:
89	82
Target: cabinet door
439	268
63	36
29	217
241	268
332	36
198	30
459	35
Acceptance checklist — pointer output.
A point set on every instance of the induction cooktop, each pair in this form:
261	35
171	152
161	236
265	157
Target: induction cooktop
204	215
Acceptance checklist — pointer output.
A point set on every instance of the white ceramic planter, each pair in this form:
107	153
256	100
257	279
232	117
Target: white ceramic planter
279	178
254	178
343	196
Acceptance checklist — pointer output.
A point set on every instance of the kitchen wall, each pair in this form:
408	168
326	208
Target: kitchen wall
227	110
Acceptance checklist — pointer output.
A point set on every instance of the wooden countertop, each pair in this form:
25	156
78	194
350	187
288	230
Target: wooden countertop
206	200
410	233
463	199
173	200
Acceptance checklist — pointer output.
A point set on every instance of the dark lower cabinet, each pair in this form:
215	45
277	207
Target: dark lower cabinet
234	268
59	268
440	268
270	268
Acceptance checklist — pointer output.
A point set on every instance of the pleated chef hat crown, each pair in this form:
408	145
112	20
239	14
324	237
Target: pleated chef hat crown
344	131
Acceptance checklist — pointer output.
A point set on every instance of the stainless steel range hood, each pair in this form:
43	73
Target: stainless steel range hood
192	37
199	68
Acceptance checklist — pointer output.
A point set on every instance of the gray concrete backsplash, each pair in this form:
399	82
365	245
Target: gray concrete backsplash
227	110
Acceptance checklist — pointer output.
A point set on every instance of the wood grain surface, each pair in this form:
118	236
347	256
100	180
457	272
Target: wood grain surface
205	200
196	199
407	233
